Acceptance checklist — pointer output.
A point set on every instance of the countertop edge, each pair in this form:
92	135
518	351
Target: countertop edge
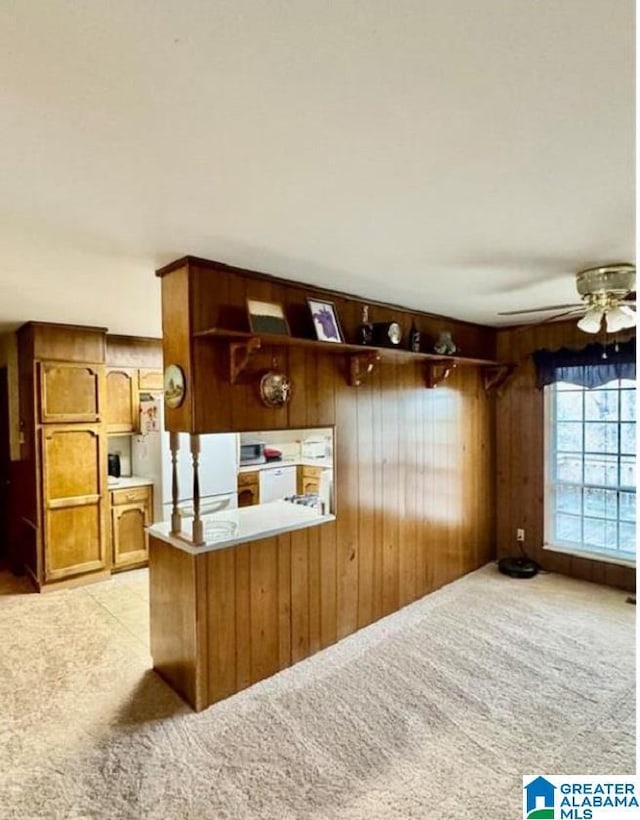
192	549
129	482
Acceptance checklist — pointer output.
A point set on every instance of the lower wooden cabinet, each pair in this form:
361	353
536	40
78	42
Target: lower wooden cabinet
248	488
130	515
309	479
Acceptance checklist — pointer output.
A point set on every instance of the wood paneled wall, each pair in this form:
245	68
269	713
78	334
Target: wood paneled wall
520	456
414	470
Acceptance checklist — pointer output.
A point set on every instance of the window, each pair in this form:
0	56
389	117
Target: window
590	497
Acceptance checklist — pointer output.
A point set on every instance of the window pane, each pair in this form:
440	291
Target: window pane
569	437
569	468
628	438
611	534
568	528
601	503
628	471
569	406
601	470
594	534
627	537
601	405
569	499
628	405
600	438
627	506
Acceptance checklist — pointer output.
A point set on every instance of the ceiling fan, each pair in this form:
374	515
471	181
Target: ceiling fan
604	290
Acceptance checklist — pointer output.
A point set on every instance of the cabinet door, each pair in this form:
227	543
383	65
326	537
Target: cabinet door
248	495
129	538
73	500
122	401
310	486
69	392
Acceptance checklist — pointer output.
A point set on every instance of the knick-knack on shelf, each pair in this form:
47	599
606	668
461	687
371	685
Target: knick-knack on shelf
445	344
414	337
365	330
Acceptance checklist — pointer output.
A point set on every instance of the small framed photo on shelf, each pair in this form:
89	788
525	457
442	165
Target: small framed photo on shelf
325	320
267	317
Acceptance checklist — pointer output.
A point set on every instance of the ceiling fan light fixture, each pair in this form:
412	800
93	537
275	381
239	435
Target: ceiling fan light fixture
618	279
591	321
619	318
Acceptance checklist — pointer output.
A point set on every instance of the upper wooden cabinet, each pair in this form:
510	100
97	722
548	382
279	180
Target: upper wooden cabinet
121	415
69	392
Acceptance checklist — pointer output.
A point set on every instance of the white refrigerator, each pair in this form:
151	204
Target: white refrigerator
217	470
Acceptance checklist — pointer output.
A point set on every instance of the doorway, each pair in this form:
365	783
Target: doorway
5	466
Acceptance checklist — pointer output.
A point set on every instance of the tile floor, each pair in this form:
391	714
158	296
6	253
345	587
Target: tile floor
124	596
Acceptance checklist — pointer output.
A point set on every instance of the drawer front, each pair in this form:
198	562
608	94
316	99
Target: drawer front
244	479
150	380
132	495
312	472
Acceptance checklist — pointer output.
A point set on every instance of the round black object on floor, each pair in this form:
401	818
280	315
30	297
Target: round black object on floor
518	567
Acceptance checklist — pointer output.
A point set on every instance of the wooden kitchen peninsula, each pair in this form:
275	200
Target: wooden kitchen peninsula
218	610
414	475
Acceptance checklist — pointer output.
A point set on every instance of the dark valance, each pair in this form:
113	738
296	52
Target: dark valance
590	367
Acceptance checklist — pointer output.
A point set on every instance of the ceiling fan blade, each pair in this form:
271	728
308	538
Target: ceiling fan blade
539	310
558	316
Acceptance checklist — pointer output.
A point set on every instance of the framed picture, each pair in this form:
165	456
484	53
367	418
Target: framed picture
267	317
325	320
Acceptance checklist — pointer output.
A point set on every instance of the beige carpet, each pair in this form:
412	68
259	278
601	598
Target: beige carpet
434	712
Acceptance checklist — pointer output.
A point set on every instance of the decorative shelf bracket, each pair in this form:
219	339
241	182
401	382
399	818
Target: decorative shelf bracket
495	377
239	356
362	365
437	372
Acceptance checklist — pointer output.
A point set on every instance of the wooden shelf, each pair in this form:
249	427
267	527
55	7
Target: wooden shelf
362	358
279	340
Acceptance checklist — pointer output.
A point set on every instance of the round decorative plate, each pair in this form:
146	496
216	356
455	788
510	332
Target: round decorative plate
174	387
275	389
394	333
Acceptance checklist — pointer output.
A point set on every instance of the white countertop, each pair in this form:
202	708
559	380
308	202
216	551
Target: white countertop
327	463
126	482
231	527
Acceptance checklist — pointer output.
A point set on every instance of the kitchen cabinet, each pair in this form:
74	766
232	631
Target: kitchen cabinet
121	414
130	516
249	488
73	474
63	450
309	479
69	392
277	483
76	385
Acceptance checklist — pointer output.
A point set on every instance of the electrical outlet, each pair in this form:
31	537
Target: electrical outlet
519	535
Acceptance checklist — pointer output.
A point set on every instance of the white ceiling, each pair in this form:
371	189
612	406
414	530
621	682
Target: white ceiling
457	156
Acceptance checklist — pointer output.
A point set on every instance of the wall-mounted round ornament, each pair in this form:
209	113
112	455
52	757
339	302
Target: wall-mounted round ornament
174	386
275	389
